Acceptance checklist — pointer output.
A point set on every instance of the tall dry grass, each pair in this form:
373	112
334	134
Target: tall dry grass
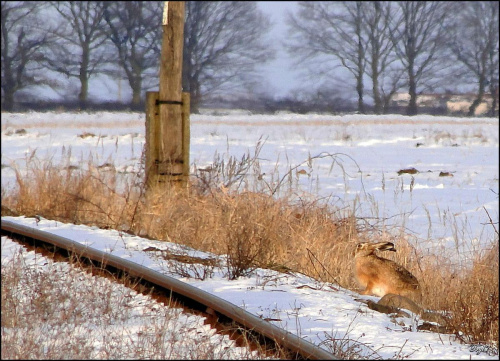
220	213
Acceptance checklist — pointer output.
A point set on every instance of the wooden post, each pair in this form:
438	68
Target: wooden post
186	135
170	158
167	111
152	130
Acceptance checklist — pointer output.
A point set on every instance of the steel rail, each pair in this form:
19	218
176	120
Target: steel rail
284	338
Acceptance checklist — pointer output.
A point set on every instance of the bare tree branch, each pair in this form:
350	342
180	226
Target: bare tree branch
474	39
418	34
223	42
323	31
80	51
134	28
22	48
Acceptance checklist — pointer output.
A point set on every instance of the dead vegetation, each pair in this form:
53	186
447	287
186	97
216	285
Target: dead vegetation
229	209
51	310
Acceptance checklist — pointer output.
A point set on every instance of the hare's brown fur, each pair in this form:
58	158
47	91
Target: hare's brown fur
381	276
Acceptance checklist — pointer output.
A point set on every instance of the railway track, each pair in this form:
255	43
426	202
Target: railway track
224	316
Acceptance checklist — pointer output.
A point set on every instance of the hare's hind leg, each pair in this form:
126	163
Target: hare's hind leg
368	289
398	301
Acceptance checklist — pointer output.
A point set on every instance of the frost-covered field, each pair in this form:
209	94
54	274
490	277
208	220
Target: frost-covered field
443	205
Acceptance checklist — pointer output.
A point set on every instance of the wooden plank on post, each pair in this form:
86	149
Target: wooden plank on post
186	134
170	155
152	131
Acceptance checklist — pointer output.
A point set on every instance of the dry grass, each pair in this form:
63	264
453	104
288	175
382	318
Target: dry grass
471	296
219	213
80	124
56	311
330	122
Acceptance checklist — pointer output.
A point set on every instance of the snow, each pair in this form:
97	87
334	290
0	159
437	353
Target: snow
360	159
134	321
316	312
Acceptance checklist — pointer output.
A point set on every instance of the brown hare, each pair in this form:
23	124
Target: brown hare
381	276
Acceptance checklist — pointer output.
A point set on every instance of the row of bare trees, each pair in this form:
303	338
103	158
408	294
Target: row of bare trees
417	46
122	39
384	46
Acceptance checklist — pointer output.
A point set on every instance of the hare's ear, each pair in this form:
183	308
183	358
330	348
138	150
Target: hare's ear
386	246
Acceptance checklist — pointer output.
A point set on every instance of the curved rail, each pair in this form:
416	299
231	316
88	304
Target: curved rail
285	339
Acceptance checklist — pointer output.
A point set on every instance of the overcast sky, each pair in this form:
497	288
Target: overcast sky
280	73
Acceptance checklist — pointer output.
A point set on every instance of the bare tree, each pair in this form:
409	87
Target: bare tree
383	68
223	42
474	42
135	31
418	34
322	30
22	45
79	51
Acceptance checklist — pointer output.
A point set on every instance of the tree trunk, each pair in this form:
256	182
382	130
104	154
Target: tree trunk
84	80
195	96
494	102
375	40
479	98
360	60
135	82
136	96
387	100
359	90
376	92
9	89
8	100
84	89
412	91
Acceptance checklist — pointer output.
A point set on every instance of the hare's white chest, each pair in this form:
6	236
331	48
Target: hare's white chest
379	290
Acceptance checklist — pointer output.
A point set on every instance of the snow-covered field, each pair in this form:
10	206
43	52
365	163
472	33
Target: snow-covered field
443	205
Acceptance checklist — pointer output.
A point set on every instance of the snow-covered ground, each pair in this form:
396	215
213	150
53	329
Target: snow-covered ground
101	310
443	205
316	312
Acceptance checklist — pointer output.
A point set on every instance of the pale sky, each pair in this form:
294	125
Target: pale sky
280	73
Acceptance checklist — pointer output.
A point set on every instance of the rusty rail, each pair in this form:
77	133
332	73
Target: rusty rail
302	348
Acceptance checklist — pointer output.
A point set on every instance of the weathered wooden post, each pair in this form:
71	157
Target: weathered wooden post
167	117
